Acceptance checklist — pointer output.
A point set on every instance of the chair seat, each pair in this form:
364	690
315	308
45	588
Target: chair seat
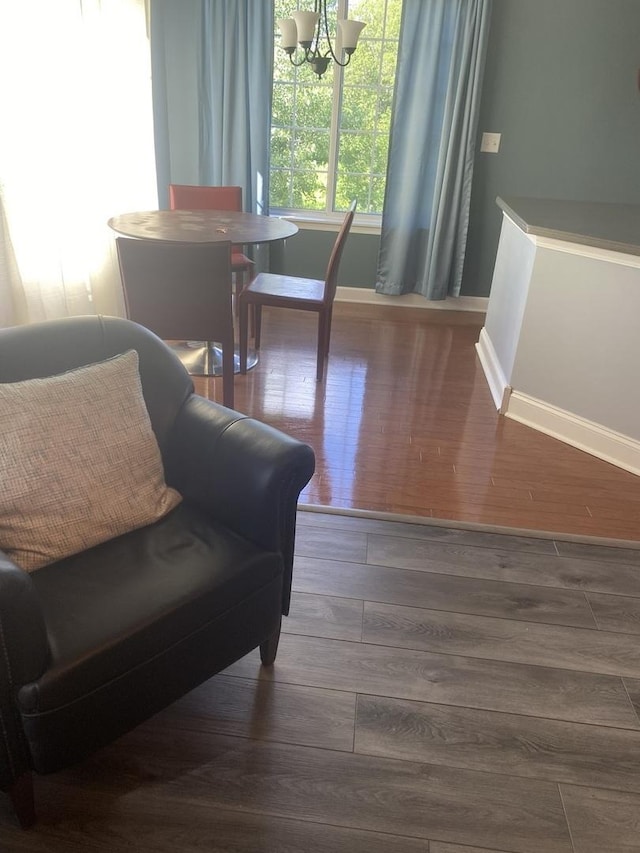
287	288
287	291
239	261
112	608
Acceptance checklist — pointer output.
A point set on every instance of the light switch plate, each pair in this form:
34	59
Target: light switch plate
490	142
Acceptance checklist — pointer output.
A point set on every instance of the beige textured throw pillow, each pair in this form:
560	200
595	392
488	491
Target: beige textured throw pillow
79	463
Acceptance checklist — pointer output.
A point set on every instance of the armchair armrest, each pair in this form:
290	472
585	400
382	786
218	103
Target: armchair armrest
23	637
24	654
242	472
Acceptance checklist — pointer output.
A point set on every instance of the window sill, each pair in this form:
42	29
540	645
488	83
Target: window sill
315	221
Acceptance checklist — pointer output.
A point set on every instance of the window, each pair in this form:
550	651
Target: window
330	137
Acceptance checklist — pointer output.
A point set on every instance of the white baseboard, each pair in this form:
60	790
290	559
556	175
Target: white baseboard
493	372
367	296
620	450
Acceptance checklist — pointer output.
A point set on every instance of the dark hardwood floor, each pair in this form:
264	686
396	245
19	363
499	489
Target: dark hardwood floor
436	690
405	423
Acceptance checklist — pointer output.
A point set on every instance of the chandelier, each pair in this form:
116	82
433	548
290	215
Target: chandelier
305	29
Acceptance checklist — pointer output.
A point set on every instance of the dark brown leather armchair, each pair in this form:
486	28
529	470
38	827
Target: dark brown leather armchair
97	642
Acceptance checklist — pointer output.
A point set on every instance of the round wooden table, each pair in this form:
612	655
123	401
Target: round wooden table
207	226
203	226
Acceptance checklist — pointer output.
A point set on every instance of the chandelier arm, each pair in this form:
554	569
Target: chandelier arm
337	61
307	56
317	6
330	52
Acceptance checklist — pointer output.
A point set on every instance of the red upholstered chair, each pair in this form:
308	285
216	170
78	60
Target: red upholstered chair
187	197
286	291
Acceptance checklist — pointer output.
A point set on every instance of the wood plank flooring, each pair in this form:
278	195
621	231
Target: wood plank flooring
404	422
425	699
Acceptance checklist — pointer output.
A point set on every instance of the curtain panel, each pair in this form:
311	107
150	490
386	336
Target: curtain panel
235	88
212	64
76	147
434	123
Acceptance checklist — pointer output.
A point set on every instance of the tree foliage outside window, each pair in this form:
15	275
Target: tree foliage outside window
330	137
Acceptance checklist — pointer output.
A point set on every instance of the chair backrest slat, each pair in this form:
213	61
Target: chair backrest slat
331	279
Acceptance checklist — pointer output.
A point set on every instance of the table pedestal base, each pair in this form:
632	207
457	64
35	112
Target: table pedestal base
202	360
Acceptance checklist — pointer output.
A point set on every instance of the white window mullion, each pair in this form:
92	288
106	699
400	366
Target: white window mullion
343	10
334	137
341	100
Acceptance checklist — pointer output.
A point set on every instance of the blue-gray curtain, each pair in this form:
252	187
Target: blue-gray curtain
161	128
438	83
235	88
212	71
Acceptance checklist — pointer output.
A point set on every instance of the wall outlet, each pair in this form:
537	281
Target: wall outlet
490	142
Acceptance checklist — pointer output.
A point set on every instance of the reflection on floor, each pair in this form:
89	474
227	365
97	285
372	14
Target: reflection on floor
404	422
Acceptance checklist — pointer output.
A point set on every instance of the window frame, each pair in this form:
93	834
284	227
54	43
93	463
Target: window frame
330	219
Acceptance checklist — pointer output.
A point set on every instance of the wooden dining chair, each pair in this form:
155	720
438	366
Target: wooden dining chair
188	197
182	292
306	294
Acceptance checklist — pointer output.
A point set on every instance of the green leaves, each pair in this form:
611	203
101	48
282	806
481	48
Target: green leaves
301	145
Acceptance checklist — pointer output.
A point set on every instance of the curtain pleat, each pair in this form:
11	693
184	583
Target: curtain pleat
435	114
212	69
235	89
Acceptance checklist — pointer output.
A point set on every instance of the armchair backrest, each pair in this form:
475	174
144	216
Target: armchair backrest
51	347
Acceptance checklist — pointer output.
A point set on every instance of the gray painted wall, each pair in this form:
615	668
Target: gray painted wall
560	85
307	254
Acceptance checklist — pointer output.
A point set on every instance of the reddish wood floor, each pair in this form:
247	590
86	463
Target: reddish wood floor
404	423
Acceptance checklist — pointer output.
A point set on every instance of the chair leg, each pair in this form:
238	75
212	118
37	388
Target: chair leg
234	296
252	311
238	288
322	344
269	648
257	311
239	281
327	331
243	323
22	800
227	374
252	321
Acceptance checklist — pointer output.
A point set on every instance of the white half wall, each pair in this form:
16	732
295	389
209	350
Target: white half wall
620	450
492	368
579	345
560	348
509	294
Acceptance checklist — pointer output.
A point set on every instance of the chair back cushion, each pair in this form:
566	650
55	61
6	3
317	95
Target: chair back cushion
180	291
188	197
79	462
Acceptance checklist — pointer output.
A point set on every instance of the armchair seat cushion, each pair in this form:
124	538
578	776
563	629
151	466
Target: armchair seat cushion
128	600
